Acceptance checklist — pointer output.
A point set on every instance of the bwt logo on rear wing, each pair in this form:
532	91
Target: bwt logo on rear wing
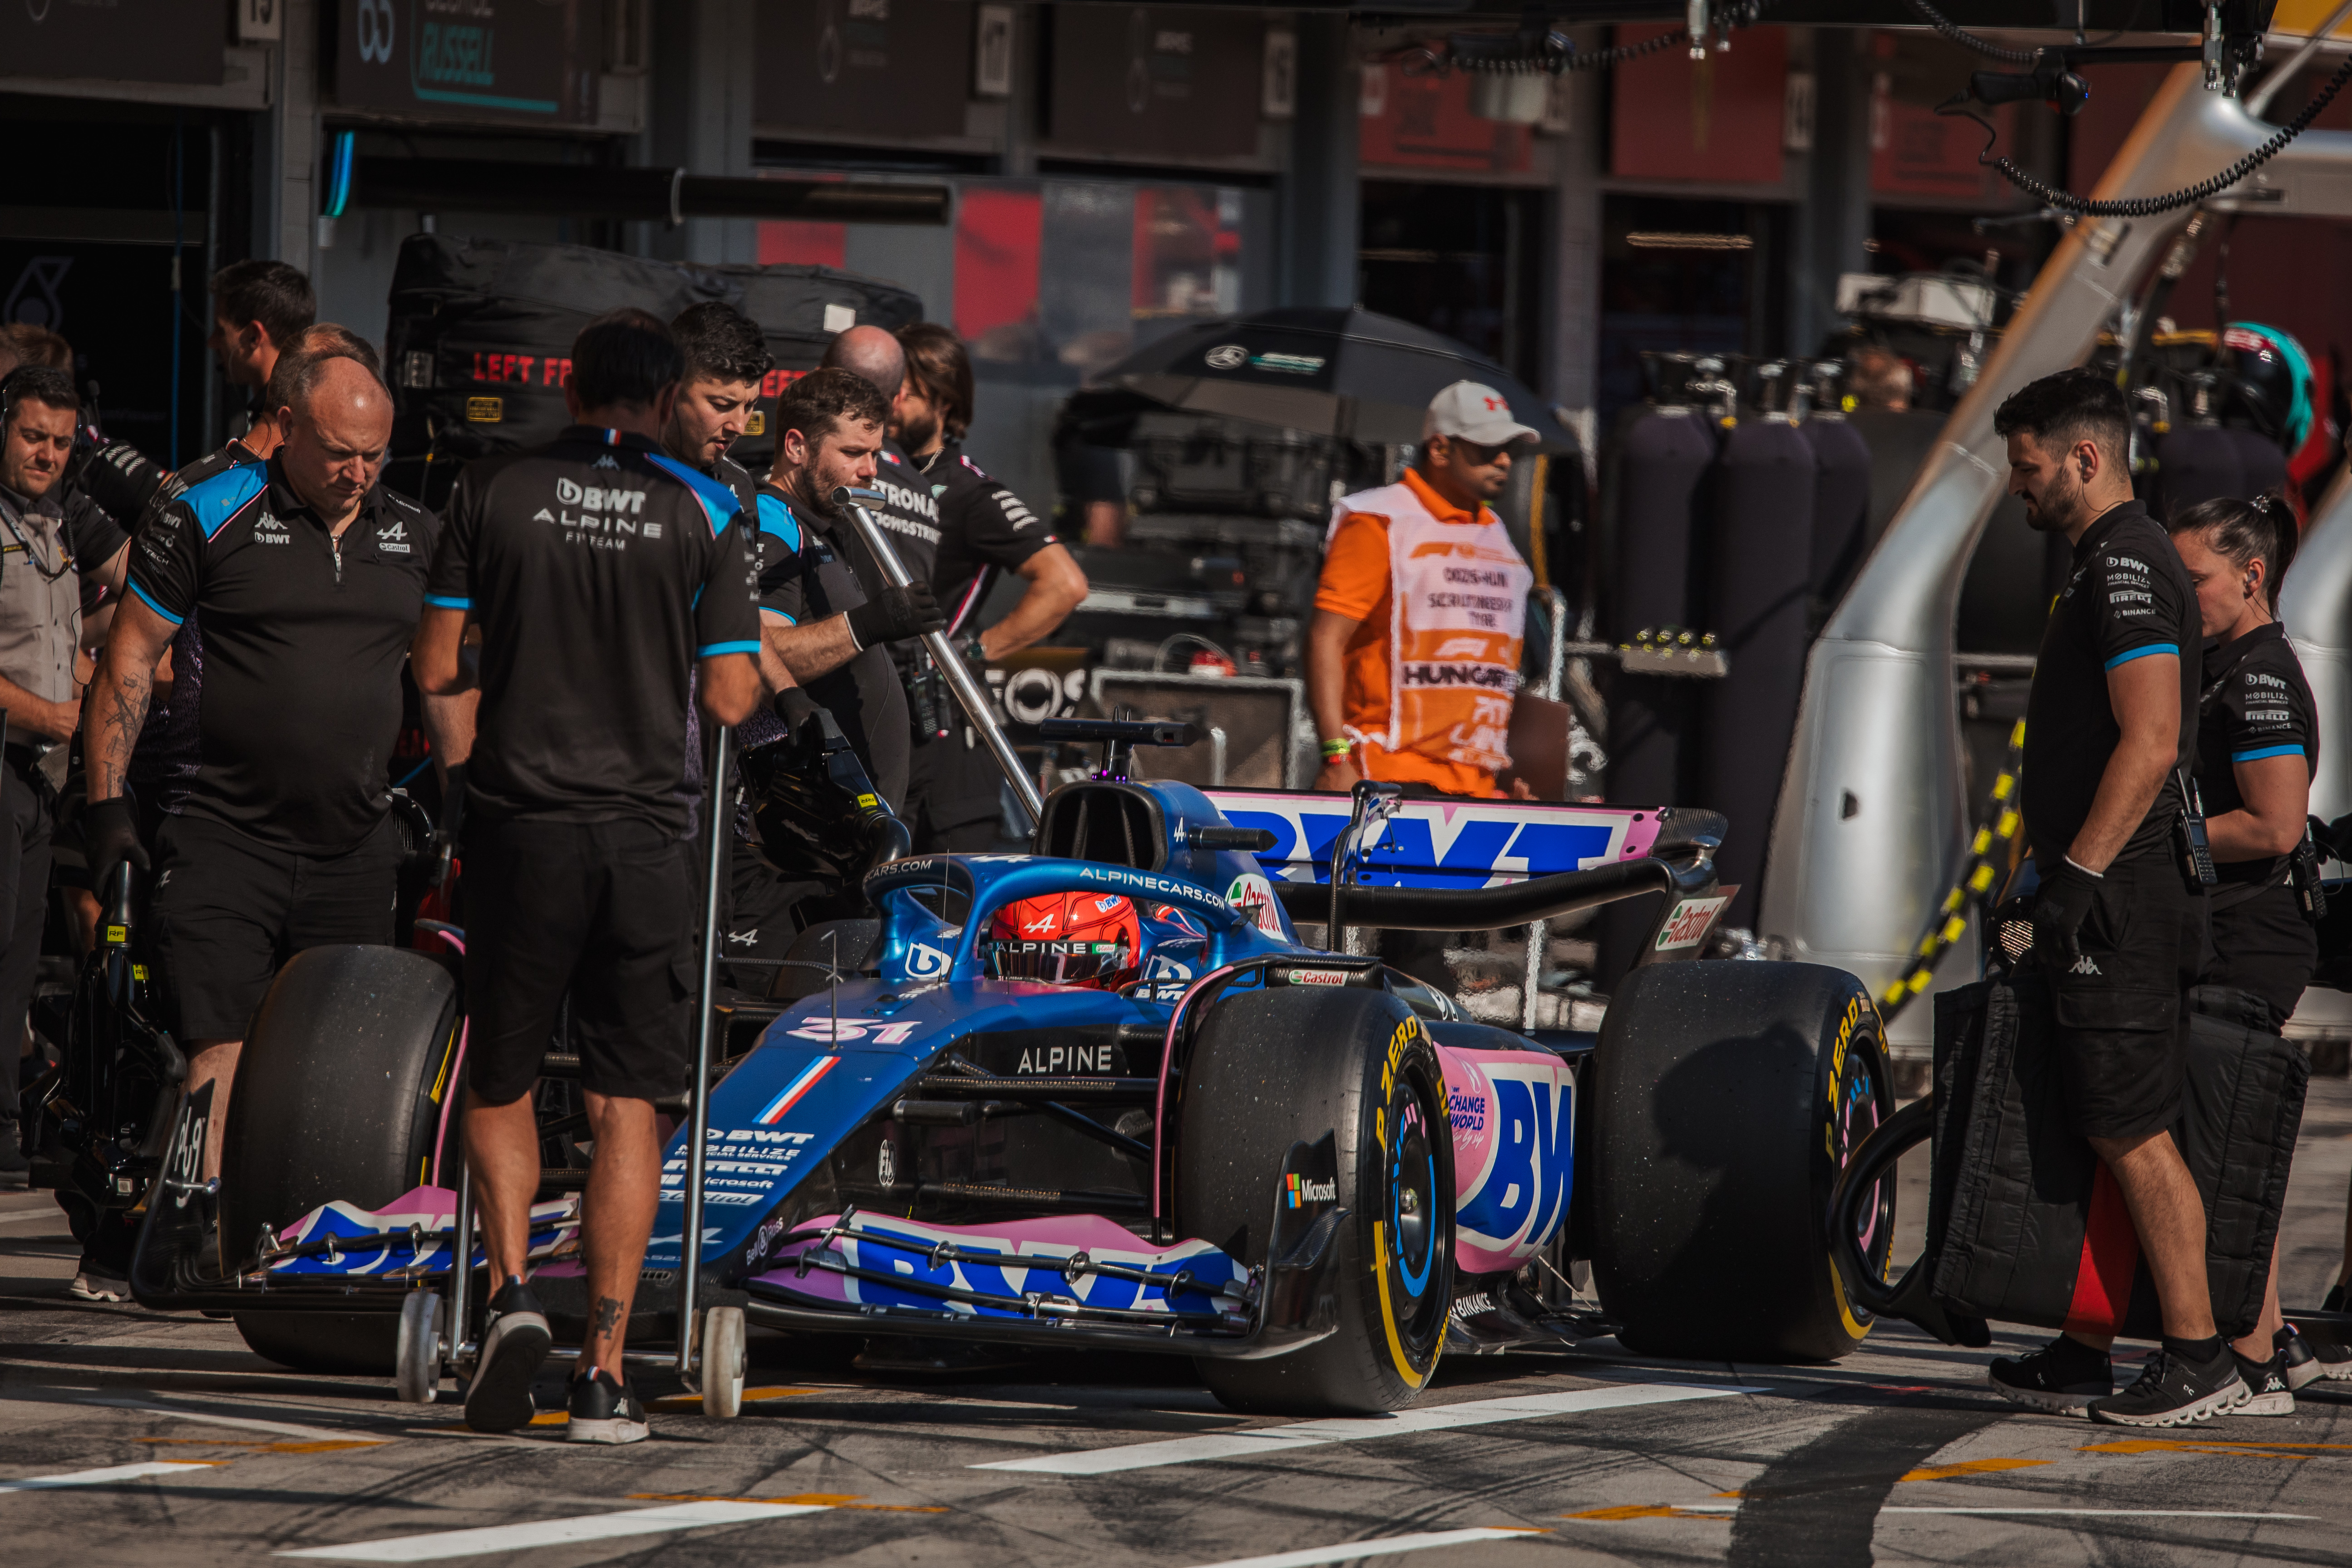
1442	843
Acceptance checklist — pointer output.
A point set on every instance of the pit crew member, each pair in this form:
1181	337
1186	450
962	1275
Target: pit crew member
309	577
959	528
1413	654
2117	931
2257	750
604	574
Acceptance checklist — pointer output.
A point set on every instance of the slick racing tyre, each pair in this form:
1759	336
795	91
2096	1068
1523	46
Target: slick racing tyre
1726	1098
338	1096
1270	1069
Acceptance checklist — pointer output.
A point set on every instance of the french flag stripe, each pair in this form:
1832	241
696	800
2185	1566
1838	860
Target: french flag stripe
795	1090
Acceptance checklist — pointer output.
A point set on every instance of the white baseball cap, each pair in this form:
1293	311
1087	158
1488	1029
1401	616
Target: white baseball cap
1478	413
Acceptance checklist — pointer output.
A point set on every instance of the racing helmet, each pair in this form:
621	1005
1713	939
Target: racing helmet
1089	939
2272	381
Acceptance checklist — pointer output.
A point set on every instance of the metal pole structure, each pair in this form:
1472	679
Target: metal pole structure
697	1094
1871	823
1555	673
461	1235
960	681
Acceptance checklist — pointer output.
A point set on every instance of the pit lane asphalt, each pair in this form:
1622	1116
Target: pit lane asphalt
1897	1454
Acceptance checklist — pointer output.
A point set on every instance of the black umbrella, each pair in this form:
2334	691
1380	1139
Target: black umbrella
1349	373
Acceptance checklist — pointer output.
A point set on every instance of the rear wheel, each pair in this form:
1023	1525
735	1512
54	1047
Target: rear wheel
1276	1067
339	1093
1725	1097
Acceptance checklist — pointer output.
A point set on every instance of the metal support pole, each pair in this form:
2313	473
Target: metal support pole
967	690
461	1237
1556	607
697	1097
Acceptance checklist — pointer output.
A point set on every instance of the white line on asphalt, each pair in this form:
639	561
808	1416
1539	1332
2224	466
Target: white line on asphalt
555	1531
2069	1512
18	1217
1379	1546
1264	1441
99	1478
245	1422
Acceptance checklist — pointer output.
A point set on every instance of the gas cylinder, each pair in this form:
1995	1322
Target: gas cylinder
1653	473
1842	462
1759	570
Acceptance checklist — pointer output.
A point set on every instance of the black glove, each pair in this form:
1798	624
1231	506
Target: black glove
899	613
793	705
111	838
2061	906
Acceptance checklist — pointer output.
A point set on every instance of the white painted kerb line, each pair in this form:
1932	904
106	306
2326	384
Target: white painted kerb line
1384	1546
555	1531
100	1478
2060	1512
1263	1441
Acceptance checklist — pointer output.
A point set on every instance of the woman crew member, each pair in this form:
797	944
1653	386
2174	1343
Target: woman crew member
2257	749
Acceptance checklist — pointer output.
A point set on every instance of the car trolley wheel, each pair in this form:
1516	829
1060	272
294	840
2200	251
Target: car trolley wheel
417	1360
723	1363
339	1091
1725	1097
1275	1068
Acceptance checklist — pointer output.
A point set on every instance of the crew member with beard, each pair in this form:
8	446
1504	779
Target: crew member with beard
982	529
2118	934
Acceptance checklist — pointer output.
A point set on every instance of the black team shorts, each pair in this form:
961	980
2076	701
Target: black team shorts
2121	1007
229	910
600	912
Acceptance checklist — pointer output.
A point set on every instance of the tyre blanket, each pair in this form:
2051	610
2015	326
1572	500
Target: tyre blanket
2025	1223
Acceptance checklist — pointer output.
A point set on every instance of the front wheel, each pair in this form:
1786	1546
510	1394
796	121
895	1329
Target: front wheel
1272	1068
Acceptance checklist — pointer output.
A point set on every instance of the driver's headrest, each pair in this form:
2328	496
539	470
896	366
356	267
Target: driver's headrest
1109	822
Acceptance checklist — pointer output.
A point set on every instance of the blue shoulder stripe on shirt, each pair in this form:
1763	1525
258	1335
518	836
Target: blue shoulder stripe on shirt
149	600
445	602
2266	752
710	648
222	496
719	502
777	519
2130	654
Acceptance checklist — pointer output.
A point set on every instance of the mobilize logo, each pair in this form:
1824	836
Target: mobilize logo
1300	1190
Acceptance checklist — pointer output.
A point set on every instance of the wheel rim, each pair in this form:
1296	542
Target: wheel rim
1414	1239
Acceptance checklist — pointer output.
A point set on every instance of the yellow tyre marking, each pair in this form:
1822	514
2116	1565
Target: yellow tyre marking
1387	1318
1845	1313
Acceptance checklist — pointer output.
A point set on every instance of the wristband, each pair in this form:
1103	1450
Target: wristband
1334	749
2102	876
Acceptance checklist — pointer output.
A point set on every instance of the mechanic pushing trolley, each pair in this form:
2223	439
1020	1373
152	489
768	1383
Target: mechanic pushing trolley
605	576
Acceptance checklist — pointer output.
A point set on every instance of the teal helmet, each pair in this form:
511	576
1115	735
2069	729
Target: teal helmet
2272	381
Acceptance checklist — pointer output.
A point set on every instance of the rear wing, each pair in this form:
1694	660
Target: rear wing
1442	843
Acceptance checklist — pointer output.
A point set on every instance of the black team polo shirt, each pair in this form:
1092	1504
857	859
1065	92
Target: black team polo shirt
2129	597
600	570
305	635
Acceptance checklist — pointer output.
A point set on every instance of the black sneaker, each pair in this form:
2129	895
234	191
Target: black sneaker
498	1399
2272	1394
2303	1368
2057	1378
603	1411
2172	1391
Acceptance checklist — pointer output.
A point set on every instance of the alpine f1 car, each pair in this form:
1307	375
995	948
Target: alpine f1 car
1103	1097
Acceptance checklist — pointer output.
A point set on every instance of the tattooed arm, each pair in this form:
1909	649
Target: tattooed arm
118	696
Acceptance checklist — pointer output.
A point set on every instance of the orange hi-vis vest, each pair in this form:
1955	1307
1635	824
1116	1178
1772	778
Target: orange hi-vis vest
1458	607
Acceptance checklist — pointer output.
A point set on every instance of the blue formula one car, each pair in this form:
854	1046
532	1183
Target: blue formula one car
1102	1096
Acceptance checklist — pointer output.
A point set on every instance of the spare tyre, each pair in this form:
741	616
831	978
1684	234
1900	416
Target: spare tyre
340	1092
1725	1097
